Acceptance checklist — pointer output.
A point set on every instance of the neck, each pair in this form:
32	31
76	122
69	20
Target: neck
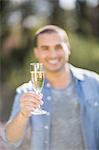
59	79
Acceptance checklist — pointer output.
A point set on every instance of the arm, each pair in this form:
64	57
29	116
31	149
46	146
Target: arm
15	128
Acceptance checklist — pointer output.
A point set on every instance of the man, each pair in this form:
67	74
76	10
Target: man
70	96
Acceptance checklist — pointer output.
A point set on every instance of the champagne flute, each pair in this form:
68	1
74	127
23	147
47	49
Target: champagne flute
37	79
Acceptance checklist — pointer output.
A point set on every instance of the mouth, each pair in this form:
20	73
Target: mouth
53	62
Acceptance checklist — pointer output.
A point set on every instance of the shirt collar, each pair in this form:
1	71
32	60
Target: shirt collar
77	72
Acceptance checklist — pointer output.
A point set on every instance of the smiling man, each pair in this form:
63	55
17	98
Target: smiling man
70	96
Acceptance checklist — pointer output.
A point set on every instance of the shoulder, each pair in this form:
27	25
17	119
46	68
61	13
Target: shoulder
84	74
89	80
24	87
90	76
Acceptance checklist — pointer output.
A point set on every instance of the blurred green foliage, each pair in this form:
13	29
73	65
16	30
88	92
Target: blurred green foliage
85	52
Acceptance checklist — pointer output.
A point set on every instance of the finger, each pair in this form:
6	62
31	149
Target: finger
30	102
38	96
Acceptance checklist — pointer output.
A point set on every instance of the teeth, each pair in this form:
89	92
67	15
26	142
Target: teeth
53	61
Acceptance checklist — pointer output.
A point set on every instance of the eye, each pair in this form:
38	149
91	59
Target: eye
44	48
58	47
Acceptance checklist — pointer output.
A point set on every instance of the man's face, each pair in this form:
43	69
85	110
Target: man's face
52	51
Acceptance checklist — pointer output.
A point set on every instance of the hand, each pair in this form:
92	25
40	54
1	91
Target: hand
29	102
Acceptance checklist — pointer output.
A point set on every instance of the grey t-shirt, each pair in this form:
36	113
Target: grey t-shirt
66	125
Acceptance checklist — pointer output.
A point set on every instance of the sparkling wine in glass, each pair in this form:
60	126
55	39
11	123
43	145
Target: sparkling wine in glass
37	79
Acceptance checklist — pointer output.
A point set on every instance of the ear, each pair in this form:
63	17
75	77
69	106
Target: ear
36	52
69	51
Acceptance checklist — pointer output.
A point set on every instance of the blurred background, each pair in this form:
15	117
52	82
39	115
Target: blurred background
19	19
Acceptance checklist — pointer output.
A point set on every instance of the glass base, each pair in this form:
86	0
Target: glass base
39	112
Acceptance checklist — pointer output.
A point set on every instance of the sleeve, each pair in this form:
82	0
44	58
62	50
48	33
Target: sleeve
15	109
16	106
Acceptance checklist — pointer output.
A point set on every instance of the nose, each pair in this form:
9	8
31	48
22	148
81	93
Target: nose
53	53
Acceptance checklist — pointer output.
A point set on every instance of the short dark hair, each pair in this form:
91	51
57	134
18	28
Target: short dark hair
50	29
